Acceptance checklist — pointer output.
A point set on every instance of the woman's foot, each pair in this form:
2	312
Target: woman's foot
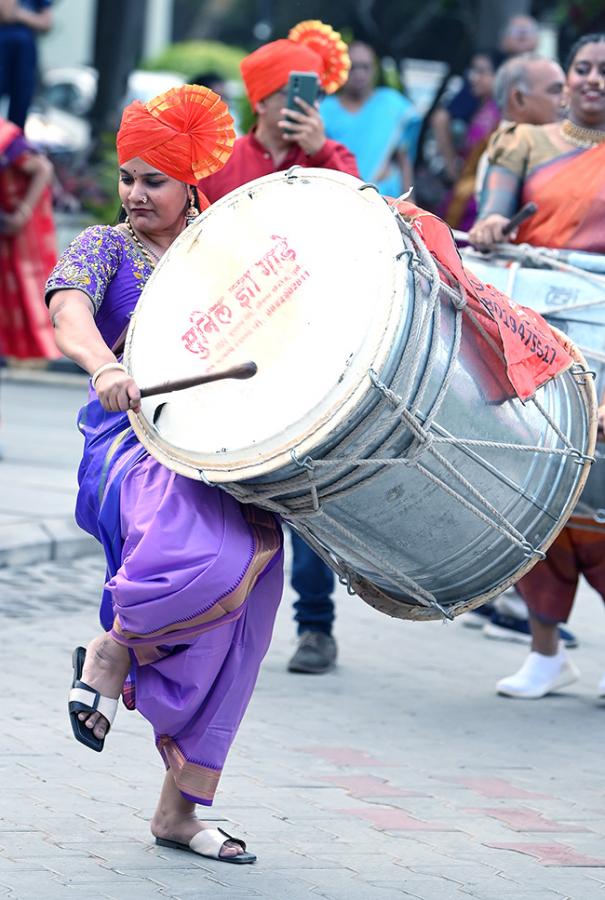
175	819
183	830
105	669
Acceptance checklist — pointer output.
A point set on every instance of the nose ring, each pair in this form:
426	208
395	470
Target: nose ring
144	198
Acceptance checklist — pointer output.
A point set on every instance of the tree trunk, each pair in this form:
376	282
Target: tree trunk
119	30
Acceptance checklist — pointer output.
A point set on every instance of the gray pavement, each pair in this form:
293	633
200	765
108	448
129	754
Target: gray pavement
41	448
400	774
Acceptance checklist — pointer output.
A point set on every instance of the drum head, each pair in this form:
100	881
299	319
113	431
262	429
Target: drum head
299	273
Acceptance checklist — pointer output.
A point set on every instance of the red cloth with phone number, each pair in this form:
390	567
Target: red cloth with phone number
534	353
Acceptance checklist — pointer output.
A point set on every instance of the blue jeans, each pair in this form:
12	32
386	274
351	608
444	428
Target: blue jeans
313	581
18	70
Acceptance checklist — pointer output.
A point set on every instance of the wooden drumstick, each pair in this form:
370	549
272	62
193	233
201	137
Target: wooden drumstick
244	370
524	213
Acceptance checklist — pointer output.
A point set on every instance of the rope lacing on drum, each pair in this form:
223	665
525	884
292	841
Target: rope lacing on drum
339	474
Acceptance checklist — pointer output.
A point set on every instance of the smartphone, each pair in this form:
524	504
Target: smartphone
304	85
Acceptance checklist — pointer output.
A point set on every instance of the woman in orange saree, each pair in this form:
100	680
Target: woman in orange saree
27	248
561	167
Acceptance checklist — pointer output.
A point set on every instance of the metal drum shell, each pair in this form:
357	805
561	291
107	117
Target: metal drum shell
384	522
555	293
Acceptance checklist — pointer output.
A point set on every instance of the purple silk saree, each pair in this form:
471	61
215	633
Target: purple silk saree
194	578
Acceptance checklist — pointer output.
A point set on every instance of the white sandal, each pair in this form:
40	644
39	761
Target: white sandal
209	842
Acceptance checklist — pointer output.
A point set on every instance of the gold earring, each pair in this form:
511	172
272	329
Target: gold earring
192	213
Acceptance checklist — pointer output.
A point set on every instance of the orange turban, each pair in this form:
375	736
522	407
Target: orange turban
310	47
187	133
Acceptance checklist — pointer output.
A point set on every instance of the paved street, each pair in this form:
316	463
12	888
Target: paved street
399	775
41	449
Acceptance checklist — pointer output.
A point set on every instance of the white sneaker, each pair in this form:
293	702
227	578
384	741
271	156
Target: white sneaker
540	675
601	689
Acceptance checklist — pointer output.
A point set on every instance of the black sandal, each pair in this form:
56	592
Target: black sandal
83	698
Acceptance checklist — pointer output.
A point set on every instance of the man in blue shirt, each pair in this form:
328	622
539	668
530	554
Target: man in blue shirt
20	23
378	124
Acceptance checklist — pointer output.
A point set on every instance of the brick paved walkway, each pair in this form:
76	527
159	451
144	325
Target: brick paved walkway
398	775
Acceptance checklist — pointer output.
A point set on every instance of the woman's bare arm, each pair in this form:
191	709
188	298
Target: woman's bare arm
441	123
40	171
78	337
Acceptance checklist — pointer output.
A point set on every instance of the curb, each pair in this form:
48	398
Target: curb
43	376
43	540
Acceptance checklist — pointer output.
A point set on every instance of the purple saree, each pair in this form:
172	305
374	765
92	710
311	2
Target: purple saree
194	578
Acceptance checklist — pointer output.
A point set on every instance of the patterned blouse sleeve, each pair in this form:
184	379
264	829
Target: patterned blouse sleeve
510	148
508	152
88	264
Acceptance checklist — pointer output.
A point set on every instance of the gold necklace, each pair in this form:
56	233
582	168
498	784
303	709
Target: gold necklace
581	137
150	255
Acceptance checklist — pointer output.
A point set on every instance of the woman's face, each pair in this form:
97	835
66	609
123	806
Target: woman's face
586	85
153	201
481	76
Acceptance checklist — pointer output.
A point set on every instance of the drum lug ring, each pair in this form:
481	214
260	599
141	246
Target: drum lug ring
581	458
306	463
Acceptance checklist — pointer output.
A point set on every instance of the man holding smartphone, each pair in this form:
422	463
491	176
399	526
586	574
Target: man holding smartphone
281	80
282	136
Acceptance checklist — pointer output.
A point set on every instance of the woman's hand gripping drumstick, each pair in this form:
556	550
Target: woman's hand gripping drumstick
495	229
117	391
241	372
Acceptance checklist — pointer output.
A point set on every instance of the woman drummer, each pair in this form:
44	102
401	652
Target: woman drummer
561	167
194	579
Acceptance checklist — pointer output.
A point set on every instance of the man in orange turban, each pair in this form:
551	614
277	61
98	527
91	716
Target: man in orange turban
275	144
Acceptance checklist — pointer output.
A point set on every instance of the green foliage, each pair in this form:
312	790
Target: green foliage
104	204
191	57
246	116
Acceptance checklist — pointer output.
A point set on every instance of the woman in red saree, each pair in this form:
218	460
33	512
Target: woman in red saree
27	248
561	167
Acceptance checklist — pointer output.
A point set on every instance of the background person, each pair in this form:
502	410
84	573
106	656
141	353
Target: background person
545	163
20	23
282	138
520	35
185	659
27	248
459	208
560	166
378	124
528	90
310	47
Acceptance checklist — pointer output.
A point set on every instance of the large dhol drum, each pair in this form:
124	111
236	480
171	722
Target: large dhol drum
568	289
372	426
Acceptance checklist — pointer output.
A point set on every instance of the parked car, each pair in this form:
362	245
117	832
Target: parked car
58	121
